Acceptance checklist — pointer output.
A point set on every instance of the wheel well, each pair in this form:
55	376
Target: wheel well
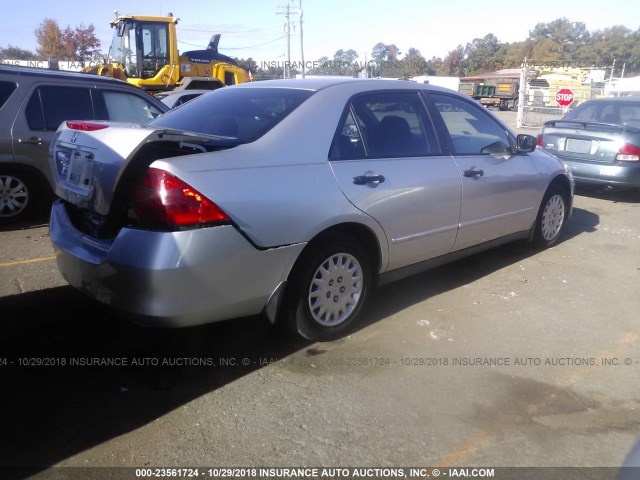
37	175
359	232
562	182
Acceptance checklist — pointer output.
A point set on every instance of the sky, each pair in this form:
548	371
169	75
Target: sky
255	28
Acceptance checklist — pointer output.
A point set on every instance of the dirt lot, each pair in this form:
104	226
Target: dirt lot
514	358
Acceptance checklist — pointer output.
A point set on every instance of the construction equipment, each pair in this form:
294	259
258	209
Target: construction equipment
144	52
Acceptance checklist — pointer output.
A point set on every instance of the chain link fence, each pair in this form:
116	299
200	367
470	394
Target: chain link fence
538	102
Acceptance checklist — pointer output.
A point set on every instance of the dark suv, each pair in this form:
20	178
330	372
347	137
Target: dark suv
33	103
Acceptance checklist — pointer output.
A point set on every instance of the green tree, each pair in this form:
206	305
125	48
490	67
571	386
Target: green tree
15	53
249	64
414	63
483	55
454	63
344	63
616	43
271	73
435	66
323	66
559	39
384	60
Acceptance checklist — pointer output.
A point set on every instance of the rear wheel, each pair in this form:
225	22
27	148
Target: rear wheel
18	195
328	288
551	217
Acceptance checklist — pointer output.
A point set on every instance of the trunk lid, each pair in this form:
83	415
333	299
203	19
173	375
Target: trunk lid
89	165
585	141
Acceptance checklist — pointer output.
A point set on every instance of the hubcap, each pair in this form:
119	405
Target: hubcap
335	289
552	217
14	196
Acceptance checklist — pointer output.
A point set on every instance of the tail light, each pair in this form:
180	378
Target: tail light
86	126
163	200
540	141
628	153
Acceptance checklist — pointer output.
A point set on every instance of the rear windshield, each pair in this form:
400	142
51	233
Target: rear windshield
245	114
615	113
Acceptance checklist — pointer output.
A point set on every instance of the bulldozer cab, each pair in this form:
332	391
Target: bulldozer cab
142	47
144	52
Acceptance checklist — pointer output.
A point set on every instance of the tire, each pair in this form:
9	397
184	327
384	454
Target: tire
551	217
18	195
328	288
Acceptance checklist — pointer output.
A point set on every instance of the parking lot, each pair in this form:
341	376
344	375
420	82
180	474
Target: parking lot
514	357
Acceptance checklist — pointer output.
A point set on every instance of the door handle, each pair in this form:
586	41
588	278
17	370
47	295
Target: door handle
364	179
31	141
473	172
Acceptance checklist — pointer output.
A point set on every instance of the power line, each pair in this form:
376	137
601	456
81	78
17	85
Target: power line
229	31
237	48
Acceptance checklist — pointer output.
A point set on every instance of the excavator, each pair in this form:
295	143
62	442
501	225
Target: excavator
144	52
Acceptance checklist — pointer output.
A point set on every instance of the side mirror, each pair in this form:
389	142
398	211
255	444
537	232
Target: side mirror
526	143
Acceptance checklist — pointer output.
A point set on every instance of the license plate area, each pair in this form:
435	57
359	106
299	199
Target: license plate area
79	173
575	145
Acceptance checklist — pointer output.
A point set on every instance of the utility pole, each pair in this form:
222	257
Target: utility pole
288	69
286	12
287	29
301	41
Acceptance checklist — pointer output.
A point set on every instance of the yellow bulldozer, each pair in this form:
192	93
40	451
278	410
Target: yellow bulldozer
144	52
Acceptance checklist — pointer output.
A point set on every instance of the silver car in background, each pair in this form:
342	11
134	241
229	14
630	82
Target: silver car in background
599	140
175	99
292	198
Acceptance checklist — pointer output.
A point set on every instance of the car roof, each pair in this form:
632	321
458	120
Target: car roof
60	74
321	83
183	92
615	100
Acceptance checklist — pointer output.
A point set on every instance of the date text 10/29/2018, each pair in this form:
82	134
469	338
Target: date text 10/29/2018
306	473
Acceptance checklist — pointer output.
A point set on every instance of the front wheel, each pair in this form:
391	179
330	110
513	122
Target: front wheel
551	217
328	288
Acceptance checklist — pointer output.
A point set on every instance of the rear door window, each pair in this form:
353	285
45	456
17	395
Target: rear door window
385	125
51	105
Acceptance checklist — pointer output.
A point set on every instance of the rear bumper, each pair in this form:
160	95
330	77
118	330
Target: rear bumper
620	173
174	279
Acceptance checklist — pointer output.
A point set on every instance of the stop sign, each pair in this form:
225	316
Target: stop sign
564	97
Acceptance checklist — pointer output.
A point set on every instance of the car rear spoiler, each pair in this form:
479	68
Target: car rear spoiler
591	125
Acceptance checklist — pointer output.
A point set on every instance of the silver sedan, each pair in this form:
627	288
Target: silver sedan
599	141
292	198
